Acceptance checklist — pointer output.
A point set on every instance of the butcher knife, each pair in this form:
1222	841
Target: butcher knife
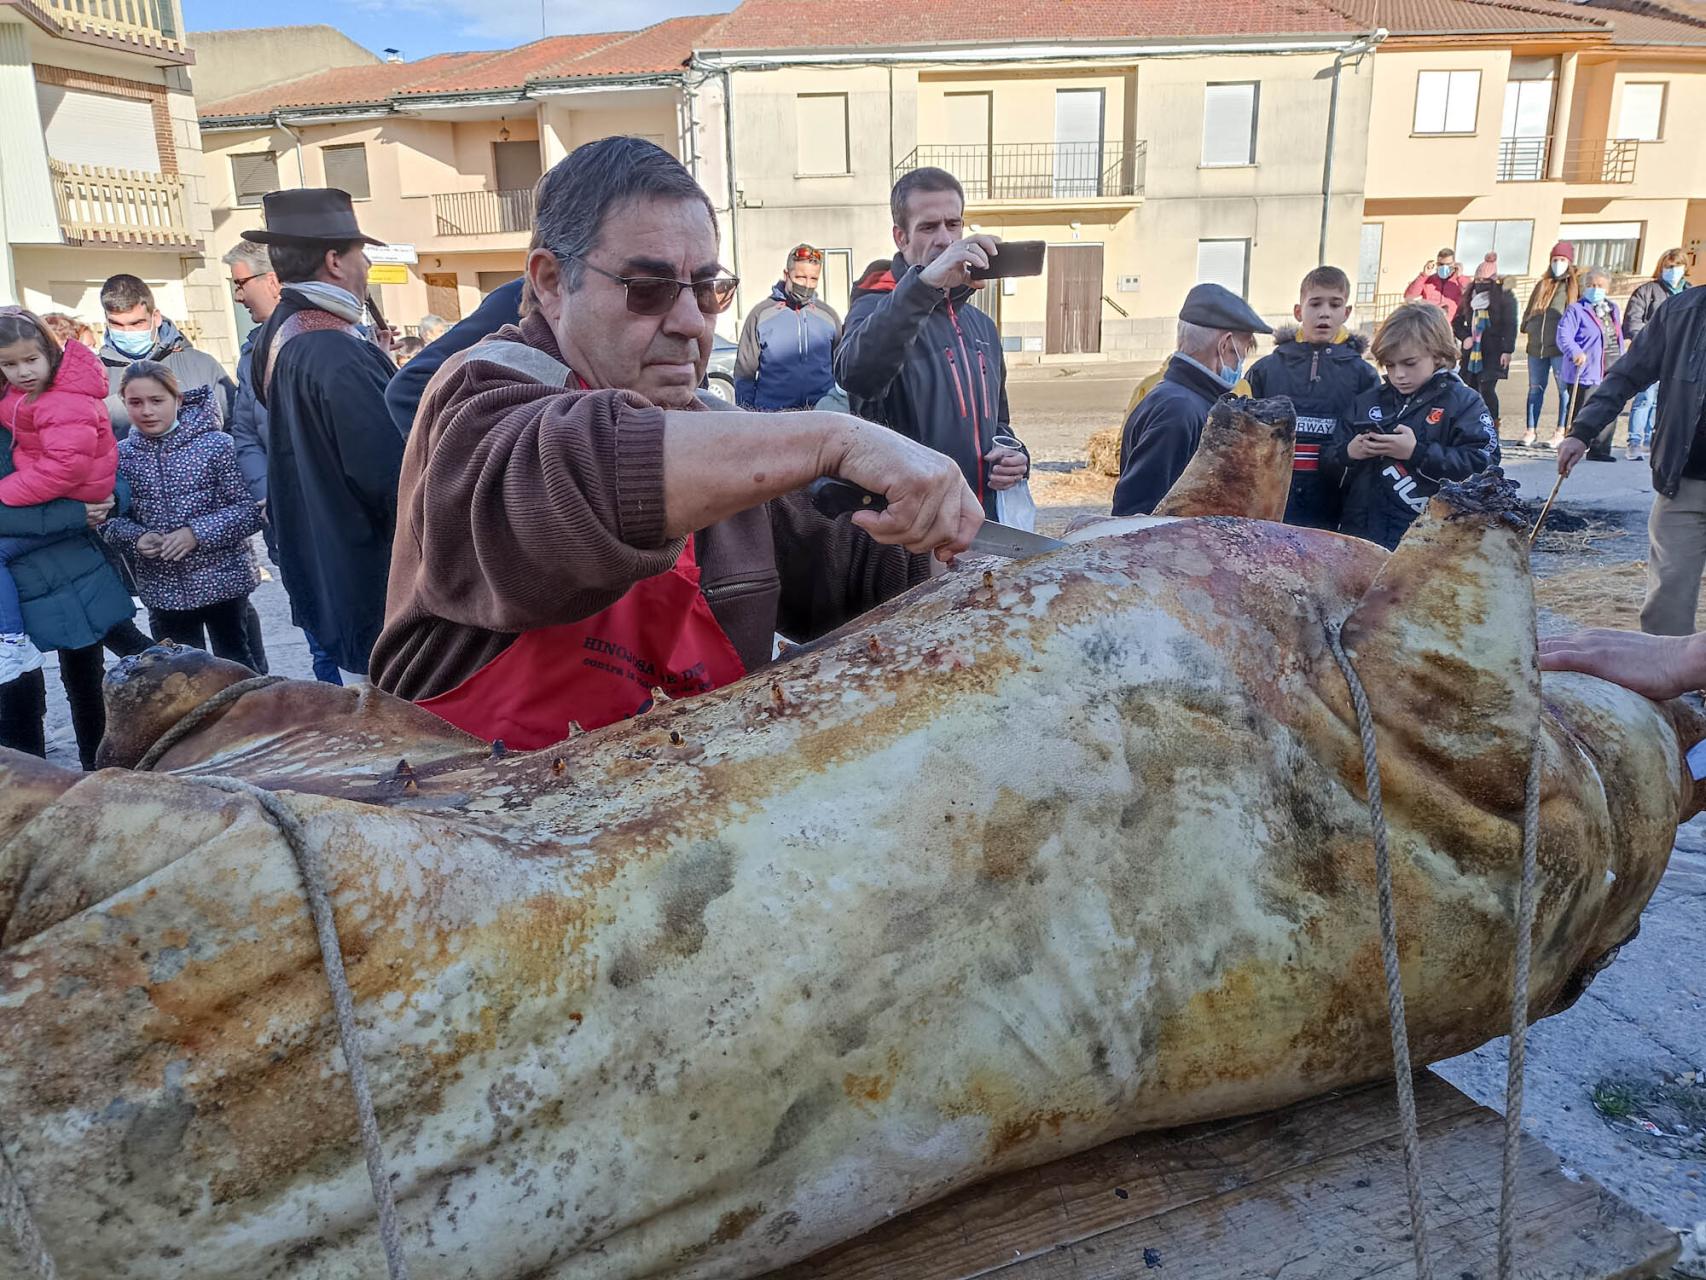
836	497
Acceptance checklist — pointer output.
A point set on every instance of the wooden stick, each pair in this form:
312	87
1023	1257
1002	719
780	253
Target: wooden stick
1575	403
1545	511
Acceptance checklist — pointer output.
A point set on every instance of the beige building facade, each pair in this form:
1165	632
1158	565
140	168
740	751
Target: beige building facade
1508	141
1142	170
101	166
440	155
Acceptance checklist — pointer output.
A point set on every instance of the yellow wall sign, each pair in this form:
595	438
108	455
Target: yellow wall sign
387	273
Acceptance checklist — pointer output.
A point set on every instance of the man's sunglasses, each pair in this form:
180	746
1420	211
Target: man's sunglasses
805	253
655	295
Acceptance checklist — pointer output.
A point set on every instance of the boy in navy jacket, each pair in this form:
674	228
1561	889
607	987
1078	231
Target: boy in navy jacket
1320	366
1418	429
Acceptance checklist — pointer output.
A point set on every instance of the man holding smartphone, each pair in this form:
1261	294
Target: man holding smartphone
915	357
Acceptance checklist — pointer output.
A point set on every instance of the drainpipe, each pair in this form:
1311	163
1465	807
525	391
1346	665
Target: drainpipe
301	173
1353	53
729	164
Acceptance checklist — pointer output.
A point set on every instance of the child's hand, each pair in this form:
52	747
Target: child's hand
148	545
1362	447
177	544
1400	443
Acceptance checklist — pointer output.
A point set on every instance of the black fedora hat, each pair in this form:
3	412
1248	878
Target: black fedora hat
322	214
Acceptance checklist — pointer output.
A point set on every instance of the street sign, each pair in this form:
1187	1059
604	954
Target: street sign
387	273
404	253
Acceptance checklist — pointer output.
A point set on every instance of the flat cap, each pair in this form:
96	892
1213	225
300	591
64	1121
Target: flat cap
1214	306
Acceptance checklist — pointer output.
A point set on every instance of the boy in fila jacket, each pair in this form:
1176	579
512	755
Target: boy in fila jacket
1418	429
1320	366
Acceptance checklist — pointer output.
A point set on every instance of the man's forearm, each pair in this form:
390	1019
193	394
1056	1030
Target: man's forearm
718	464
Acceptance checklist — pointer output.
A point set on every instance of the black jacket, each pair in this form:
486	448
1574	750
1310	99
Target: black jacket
1162	434
1322	379
1671	351
333	459
928	365
403	396
1500	338
1382	497
1643	303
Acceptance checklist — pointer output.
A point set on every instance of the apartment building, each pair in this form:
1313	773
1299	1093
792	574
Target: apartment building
441	154
1151	147
101	168
1506	127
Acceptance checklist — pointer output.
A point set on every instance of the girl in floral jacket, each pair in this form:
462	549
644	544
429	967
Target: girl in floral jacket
192	516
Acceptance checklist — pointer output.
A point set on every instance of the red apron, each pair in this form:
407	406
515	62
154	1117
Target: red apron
661	634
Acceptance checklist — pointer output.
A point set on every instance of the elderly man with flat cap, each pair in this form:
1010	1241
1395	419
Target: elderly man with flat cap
1217	333
333	452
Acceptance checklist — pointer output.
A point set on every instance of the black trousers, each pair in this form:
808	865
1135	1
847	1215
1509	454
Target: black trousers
23	702
1488	386
221	629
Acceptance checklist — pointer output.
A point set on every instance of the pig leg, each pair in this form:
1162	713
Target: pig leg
1242	466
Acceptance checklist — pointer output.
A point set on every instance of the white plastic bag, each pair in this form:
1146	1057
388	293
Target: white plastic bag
1015	506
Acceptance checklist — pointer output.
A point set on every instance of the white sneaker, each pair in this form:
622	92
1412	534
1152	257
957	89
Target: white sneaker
18	656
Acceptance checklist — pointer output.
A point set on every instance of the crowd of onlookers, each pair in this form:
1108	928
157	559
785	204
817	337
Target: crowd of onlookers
134	465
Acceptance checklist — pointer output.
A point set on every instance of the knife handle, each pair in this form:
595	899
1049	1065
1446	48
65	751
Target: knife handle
835	497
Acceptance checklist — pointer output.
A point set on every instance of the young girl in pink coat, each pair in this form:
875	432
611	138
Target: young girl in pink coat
54	406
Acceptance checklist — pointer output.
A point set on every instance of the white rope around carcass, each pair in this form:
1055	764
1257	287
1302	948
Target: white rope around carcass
313	874
1524	923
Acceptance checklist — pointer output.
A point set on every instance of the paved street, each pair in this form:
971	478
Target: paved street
1643	1022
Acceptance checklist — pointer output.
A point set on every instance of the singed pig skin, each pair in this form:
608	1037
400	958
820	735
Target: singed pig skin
1035	856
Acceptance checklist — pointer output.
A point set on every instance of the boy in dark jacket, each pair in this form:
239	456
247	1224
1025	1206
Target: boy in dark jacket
1412	433
1320	366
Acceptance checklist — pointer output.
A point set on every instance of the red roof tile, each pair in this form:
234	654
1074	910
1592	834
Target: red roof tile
1475	17
838	24
513	68
1653	22
664	46
373	83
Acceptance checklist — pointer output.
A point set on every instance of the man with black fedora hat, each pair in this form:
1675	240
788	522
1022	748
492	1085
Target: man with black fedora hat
333	452
1217	333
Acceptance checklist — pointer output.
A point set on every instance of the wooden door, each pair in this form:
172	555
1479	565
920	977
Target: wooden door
443	300
1074	298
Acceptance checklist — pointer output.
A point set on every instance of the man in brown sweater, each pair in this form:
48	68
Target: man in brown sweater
575	529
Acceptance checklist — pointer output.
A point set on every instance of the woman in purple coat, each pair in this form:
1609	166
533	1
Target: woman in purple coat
191	514
1590	335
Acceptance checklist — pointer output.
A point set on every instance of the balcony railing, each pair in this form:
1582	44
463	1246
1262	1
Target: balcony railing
153	23
1524	159
1032	171
484	213
1612	160
1530	160
104	206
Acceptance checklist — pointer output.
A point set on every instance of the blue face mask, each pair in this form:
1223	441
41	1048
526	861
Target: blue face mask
1444	270
1594	294
1672	276
133	342
1231	375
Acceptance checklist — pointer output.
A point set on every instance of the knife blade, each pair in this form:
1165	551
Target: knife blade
836	497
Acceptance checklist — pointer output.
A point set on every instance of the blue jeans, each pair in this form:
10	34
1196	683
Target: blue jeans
325	669
1539	369
11	609
1641	415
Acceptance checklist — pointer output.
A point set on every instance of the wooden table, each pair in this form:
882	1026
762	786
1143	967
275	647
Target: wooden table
1312	1192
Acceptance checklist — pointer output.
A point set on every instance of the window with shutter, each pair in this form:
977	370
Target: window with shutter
1229	124
1447	101
98	129
1224	262
822	120
346	169
253	174
1642	113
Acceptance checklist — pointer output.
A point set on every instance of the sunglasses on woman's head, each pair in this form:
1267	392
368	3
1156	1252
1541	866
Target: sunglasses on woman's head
655	295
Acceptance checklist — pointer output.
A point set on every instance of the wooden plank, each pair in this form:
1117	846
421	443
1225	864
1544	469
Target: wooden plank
1316	1190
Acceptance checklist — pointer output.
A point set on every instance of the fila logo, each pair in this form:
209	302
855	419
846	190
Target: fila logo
1435	417
1405	487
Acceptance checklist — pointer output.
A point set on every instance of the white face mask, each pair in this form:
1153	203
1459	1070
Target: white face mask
1560	266
1478	302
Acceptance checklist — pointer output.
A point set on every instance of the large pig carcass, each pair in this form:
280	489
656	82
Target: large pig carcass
1038	855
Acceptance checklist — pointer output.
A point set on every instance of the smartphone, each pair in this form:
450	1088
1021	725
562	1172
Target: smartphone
1017	258
373	309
